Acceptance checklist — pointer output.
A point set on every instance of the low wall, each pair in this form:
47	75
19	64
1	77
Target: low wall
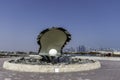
51	68
99	58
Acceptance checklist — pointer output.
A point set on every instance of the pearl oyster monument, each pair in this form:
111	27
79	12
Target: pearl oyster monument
51	58
52	41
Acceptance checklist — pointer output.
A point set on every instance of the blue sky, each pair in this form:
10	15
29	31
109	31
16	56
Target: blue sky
94	23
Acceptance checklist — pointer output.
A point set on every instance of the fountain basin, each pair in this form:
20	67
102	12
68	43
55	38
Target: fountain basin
51	68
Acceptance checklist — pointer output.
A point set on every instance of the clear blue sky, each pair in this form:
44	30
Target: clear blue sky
94	23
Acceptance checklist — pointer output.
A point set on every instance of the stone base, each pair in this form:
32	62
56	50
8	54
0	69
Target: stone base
51	68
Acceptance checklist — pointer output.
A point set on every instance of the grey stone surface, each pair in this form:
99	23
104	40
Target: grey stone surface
110	70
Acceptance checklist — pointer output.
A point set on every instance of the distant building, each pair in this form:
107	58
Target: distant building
116	52
105	52
81	48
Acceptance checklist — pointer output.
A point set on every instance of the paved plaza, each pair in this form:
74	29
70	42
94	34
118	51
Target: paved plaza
110	70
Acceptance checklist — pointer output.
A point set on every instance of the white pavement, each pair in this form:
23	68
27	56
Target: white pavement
110	70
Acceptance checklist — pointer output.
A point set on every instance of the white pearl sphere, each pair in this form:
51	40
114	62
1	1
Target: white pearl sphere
52	52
